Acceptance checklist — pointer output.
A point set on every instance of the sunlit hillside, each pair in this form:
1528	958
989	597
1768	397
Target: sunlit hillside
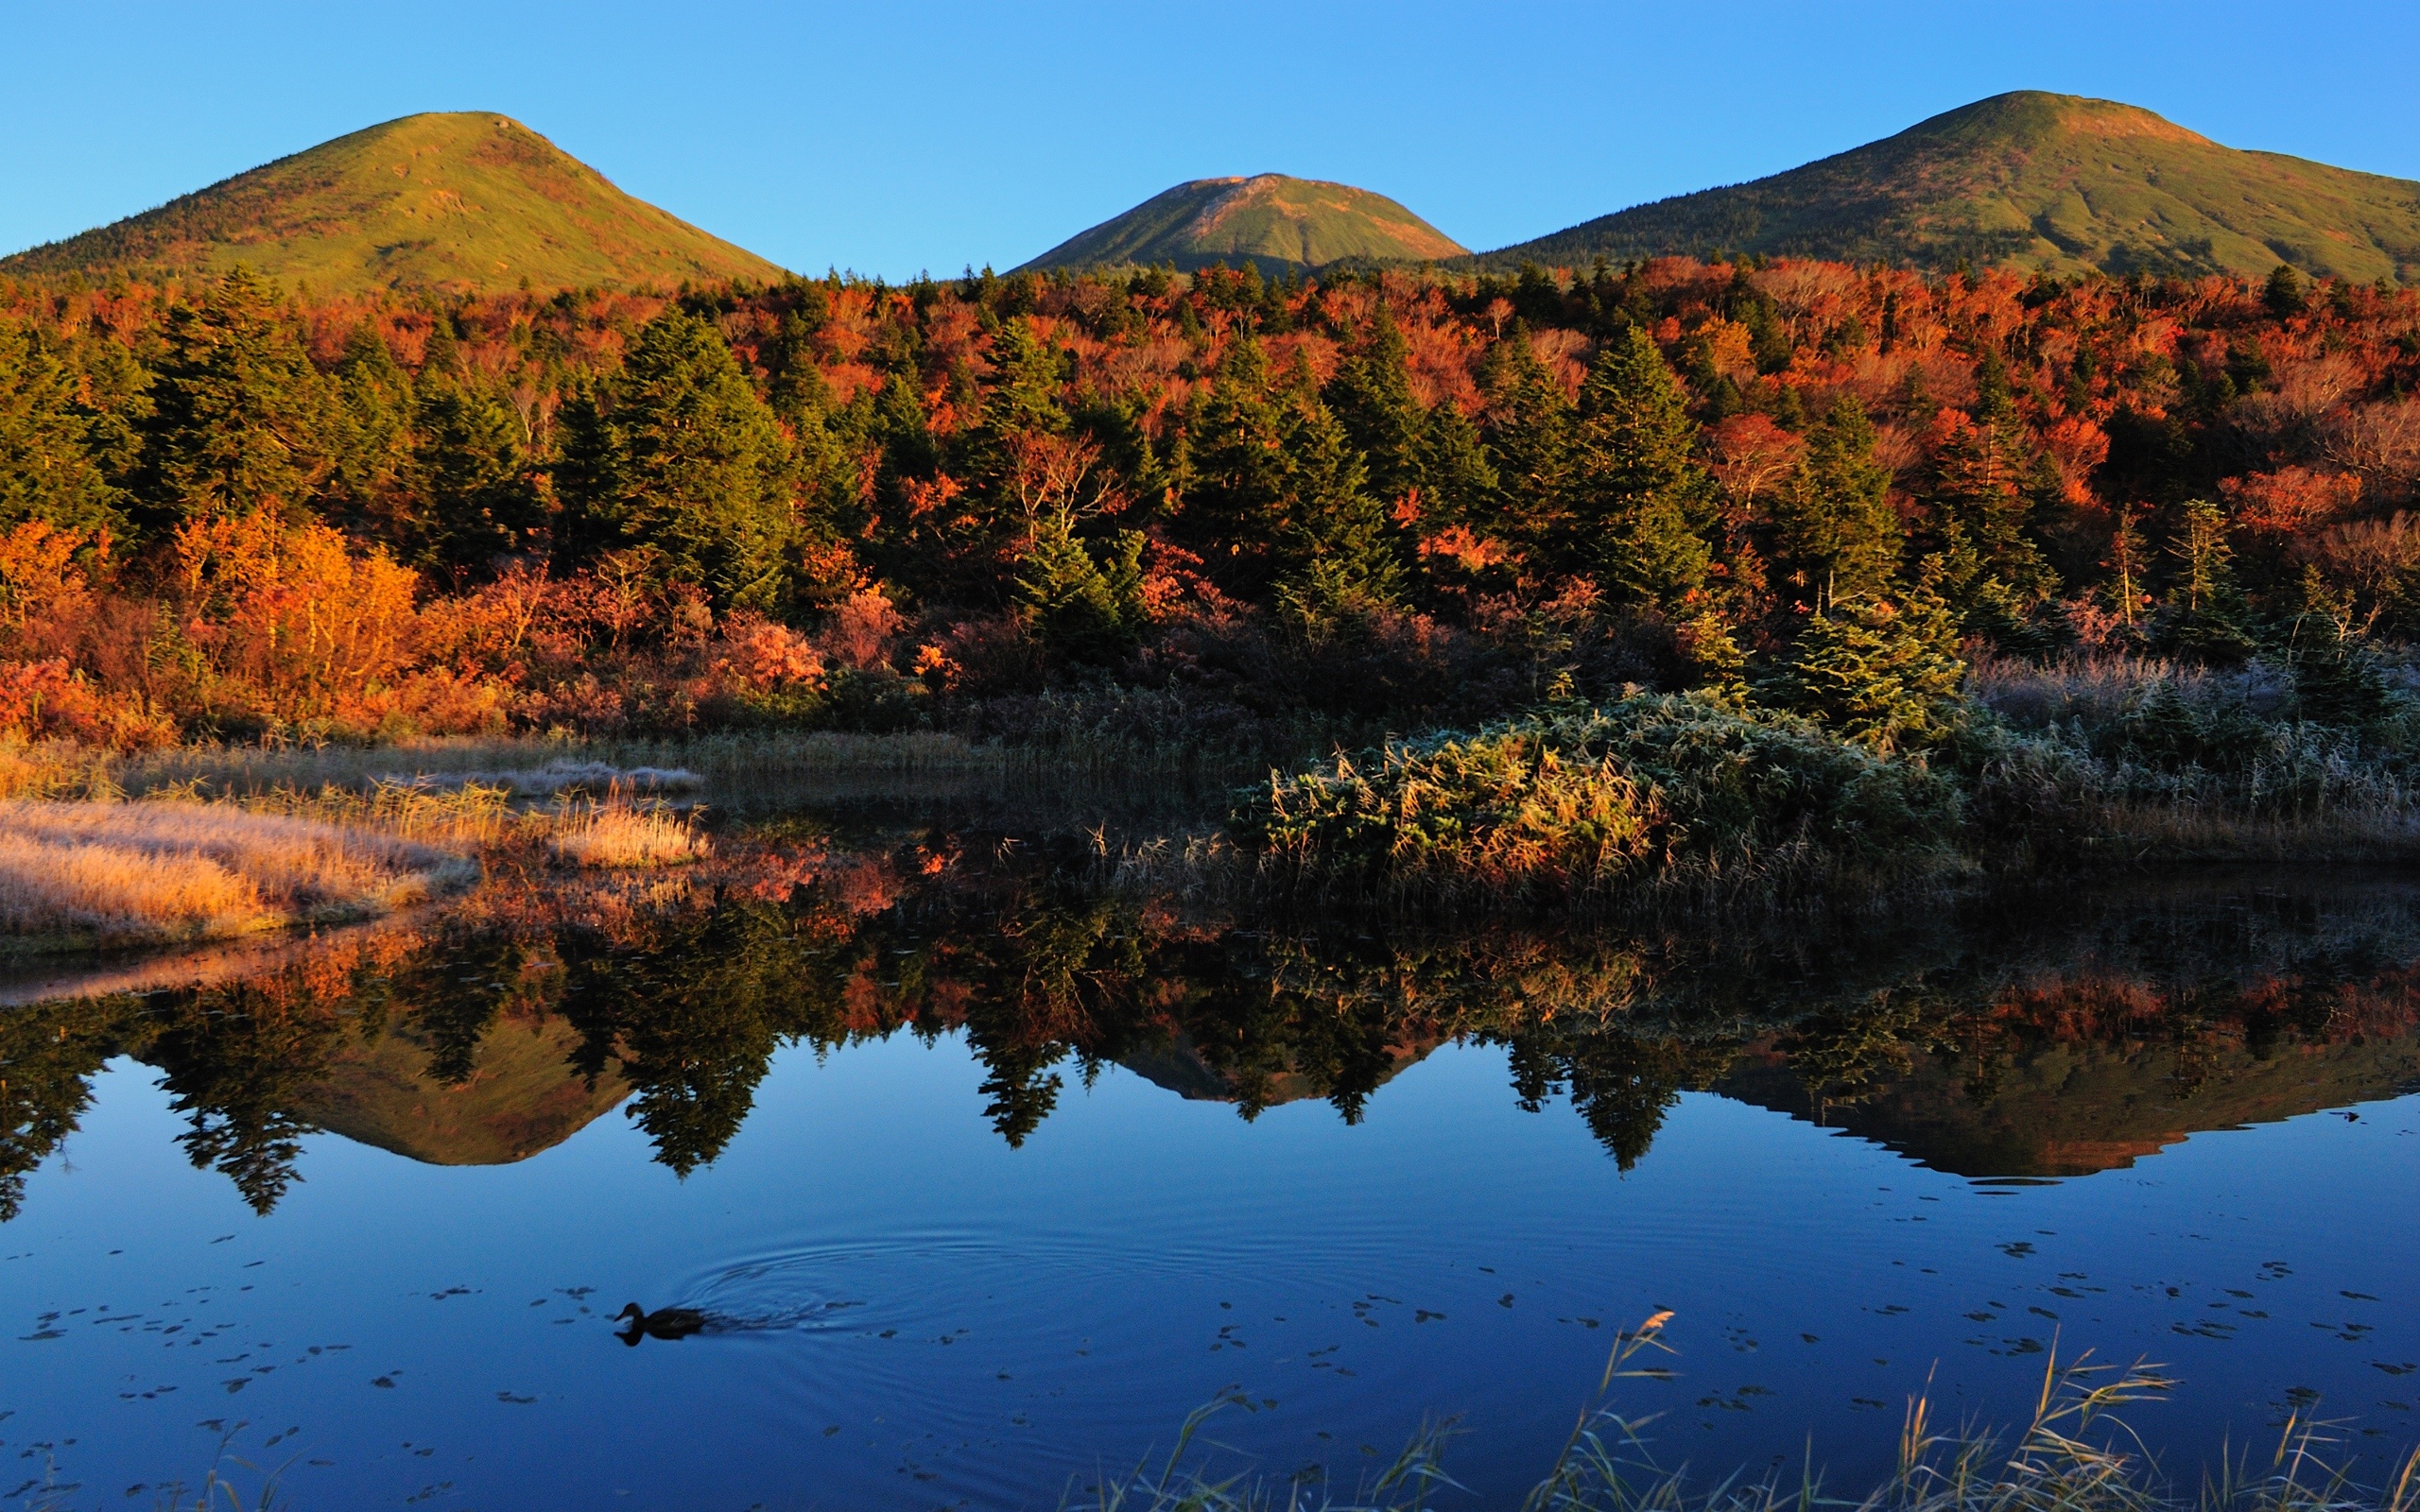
1270	220
455	200
2030	181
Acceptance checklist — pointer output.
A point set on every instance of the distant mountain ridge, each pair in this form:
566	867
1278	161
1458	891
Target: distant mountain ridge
450	202
2031	181
1269	219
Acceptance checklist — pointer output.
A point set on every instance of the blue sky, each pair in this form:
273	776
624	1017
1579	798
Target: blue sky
892	138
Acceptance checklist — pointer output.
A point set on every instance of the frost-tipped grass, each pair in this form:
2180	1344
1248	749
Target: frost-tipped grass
620	833
76	875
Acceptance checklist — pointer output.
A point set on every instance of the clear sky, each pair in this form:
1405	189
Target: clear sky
893	137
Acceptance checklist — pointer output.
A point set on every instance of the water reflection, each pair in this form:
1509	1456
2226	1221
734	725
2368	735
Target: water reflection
2020	1040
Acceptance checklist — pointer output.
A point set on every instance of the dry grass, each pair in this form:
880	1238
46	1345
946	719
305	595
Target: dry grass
618	833
76	875
2074	1455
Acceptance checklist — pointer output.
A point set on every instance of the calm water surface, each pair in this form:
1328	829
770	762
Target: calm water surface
967	1189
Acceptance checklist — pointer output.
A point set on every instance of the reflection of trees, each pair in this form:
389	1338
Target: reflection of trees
693	1019
688	1003
47	1061
236	1060
1621	1084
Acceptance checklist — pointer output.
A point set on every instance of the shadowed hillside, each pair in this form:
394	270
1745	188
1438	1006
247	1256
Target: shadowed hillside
461	200
2032	180
1269	219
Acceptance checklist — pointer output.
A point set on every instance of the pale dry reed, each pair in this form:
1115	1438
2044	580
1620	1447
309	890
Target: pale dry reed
81	875
618	833
2074	1455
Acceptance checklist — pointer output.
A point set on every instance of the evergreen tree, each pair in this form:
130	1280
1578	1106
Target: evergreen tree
241	419
1083	602
1639	497
2283	293
1339	560
1528	432
1883	675
1235	474
1987	562
2205	615
1457	483
1836	535
373	441
1372	396
471	469
48	467
680	456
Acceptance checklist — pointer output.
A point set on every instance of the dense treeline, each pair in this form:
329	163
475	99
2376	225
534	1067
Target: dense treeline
230	510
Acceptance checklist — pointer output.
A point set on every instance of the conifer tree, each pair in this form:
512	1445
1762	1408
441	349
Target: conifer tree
241	419
2205	615
680	456
49	470
471	469
1083	602
1457	484
1528	432
1339	558
1372	396
1639	497
1236	472
1881	673
1836	535
374	439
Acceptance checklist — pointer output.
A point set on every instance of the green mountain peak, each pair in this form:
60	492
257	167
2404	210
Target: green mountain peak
1267	219
453	201
2032	181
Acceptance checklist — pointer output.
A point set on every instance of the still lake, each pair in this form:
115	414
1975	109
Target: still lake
986	1178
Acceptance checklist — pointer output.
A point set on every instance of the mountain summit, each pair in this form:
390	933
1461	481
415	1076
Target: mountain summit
2030	181
457	200
1269	219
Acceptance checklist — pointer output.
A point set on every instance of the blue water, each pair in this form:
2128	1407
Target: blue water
961	1323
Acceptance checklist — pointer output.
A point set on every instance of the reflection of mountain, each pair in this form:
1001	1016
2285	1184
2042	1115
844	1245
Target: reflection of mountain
1180	1067
522	1096
2015	1037
2074	1109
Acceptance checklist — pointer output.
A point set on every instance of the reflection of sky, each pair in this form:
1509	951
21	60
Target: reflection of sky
1080	1284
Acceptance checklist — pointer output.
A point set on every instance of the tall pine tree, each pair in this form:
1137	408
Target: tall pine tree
1835	534
48	469
1640	499
241	420
680	456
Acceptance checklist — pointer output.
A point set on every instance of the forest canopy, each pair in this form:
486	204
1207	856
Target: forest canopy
227	508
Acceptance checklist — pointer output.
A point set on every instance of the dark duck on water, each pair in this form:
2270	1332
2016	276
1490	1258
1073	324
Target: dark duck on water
664	1323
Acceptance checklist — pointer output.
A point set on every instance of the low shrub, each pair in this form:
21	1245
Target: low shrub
1673	789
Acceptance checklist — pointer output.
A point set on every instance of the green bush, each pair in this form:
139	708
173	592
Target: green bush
1684	787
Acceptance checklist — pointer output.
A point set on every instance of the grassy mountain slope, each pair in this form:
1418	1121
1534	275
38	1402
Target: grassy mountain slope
456	201
2034	180
1269	219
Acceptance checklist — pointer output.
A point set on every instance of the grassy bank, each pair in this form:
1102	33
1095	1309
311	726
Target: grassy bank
82	875
2074	767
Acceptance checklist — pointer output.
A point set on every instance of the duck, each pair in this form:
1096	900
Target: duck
664	1323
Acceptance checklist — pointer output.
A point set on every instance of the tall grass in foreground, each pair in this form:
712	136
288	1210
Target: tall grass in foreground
2073	1456
77	875
619	833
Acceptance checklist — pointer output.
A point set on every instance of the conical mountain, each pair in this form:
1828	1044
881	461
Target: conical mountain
459	200
1267	219
2030	180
